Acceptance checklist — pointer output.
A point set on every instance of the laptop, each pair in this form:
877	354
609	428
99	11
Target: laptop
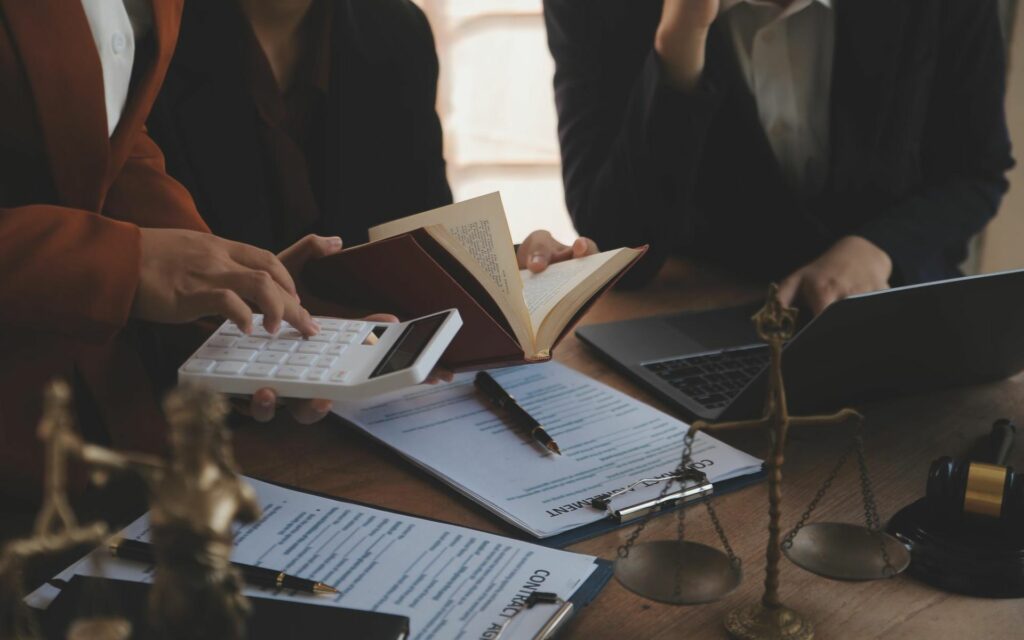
711	365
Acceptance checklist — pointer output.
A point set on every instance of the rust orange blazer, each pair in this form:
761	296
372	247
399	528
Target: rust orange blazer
71	204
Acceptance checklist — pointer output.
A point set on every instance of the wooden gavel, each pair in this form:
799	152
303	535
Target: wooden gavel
959	489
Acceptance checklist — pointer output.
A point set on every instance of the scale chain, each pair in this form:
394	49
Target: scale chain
720	530
677	585
680	472
787	542
871	519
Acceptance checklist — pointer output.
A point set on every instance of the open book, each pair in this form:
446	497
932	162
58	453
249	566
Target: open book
462	255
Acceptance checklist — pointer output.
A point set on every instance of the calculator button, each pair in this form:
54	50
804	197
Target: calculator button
329	324
216	353
336	349
259	370
230	329
339	376
199	366
259	332
348	337
231	367
324	336
301	359
289	334
271	357
251	343
212	353
289	372
221	341
326	361
315	375
355	326
312	347
281	345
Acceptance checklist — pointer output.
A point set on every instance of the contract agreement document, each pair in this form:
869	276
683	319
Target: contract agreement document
608	440
451	582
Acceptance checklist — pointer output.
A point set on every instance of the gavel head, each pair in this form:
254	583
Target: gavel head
959	489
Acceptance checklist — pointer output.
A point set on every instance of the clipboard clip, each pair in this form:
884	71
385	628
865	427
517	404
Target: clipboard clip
694	485
554	623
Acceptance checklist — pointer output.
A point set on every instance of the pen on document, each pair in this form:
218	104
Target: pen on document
256	576
497	394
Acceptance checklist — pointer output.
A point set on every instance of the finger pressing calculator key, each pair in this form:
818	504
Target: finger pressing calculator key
347	359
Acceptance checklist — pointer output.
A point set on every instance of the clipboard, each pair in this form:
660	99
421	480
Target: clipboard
611	440
583	596
637	511
593	575
632	512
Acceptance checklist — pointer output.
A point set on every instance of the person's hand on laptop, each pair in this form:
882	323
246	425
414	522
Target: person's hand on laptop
853	265
540	249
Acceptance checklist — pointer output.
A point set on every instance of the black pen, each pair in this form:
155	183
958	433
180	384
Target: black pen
497	394
256	576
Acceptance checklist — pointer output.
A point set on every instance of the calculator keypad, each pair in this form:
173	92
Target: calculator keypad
284	355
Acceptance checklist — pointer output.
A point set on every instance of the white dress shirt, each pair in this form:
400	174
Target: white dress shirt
115	26
786	58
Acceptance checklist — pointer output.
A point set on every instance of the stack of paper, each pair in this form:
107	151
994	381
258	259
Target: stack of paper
608	440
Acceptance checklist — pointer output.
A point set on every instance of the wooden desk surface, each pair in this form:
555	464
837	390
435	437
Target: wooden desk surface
904	437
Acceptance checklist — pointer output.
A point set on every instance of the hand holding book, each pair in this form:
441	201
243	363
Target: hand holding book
462	256
540	249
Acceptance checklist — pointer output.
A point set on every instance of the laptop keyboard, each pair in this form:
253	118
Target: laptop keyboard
712	380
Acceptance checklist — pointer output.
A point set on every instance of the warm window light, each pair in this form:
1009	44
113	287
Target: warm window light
497	107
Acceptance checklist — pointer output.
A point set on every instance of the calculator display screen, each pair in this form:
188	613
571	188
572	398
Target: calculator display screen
409	345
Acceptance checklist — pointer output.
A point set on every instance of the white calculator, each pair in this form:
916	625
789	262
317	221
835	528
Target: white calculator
348	359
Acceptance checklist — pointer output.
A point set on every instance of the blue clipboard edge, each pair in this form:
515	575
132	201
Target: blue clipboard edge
585	532
593	586
583	596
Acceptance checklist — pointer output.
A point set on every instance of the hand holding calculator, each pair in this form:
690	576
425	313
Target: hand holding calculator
348	359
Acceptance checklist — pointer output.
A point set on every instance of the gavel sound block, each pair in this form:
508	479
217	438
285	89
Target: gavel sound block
967	534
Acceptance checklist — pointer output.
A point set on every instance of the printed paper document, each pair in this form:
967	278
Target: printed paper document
609	441
450	581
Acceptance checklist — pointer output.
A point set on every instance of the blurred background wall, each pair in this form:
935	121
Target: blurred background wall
497	106
1002	245
496	102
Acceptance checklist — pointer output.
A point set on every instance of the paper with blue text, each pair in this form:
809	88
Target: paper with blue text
609	441
451	582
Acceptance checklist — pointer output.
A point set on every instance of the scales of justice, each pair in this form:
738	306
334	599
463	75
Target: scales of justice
683	572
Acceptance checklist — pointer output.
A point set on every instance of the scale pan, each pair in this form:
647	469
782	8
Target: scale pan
844	551
704	574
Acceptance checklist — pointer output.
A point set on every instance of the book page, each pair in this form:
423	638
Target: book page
479	225
546	289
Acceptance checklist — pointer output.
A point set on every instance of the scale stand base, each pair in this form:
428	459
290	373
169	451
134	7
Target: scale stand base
758	622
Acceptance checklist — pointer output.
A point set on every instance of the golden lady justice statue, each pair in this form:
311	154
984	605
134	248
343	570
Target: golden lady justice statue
56	528
195	499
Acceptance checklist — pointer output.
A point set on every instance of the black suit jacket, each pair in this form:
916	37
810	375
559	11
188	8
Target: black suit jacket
382	138
918	135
